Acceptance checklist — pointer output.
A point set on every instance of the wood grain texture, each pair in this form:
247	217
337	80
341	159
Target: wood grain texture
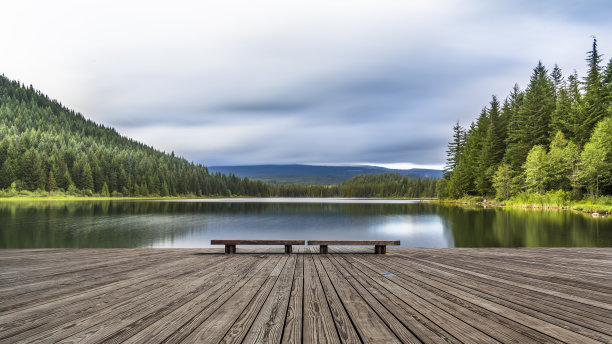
421	295
257	242
354	242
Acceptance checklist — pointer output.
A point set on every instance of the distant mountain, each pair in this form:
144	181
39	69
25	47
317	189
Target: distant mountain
314	174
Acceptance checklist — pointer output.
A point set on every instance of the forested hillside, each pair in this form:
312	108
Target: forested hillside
47	147
553	138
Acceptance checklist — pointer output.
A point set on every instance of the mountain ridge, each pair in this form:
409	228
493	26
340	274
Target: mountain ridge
315	174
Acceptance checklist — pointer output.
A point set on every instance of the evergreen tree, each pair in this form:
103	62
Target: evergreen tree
454	148
31	170
537	108
51	184
607	85
86	178
515	146
594	98
557	78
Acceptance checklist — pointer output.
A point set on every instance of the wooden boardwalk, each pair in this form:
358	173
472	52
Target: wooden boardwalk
348	296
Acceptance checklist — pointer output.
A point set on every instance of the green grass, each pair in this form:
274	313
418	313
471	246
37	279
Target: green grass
555	200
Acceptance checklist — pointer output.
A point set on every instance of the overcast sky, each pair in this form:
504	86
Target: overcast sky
311	81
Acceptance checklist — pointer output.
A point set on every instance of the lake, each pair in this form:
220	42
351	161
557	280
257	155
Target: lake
193	223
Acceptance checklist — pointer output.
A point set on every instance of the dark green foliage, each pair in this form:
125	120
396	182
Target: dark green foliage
543	139
42	143
594	98
454	148
365	185
52	184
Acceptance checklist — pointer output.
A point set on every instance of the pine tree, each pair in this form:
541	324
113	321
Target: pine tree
493	148
537	108
515	147
31	170
454	148
607	85
51	183
557	78
87	178
594	99
495	142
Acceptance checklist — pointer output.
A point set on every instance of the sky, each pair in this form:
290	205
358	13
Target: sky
274	82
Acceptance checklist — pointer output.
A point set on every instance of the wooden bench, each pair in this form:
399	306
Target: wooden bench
380	246
230	245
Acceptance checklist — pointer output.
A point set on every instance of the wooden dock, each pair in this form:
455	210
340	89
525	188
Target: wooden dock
261	295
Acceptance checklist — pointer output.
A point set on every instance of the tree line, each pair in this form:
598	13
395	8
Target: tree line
553	137
46	148
391	185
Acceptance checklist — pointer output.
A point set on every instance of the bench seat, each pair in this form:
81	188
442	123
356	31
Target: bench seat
380	246
230	245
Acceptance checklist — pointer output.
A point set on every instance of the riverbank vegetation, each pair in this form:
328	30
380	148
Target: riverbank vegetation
550	144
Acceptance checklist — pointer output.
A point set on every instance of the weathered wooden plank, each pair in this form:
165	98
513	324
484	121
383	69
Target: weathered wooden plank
343	322
268	326
122	319
292	332
444	319
176	325
374	323
215	327
318	322
427	331
555	331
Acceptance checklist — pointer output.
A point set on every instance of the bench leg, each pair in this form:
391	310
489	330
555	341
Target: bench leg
288	249
380	249
230	249
323	249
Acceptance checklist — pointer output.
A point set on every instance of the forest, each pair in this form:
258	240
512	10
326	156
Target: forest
553	140
49	150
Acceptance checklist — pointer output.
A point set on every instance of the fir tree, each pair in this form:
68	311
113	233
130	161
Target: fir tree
594	108
51	183
86	178
454	148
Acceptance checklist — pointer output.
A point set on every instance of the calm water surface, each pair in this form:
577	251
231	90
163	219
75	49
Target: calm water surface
193	223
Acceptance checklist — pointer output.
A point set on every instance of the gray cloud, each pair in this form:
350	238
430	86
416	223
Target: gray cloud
280	82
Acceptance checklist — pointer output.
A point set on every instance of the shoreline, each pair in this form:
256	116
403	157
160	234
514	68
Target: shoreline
585	207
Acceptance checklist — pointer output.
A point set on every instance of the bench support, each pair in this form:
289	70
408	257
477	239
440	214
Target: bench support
230	249
380	249
323	249
288	249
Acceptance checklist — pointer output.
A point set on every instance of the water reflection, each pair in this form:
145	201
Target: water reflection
193	223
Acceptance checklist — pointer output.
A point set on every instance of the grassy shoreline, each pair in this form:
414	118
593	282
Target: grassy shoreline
584	206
